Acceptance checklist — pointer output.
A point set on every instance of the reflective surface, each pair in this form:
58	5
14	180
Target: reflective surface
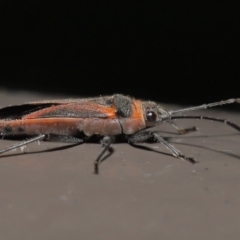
138	194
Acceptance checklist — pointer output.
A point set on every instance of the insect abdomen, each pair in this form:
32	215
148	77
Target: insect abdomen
39	126
104	127
64	126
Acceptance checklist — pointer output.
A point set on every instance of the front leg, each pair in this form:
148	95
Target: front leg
140	137
145	135
183	130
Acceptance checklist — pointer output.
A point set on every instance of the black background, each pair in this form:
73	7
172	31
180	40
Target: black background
168	51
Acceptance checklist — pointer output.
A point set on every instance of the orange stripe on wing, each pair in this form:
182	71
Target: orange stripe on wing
75	110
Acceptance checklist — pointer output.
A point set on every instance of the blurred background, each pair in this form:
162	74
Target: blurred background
167	51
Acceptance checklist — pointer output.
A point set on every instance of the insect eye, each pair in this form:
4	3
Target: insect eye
151	116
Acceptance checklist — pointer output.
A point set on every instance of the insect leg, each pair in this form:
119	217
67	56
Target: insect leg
175	152
143	136
106	142
23	143
140	137
183	130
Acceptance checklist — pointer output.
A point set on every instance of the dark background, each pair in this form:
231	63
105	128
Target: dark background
171	51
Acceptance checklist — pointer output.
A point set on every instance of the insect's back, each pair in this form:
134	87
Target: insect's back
111	115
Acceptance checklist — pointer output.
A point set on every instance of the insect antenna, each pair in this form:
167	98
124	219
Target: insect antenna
229	123
205	106
23	143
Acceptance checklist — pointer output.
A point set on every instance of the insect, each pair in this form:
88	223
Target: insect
78	120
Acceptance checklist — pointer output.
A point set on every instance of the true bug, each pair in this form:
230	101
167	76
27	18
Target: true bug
77	120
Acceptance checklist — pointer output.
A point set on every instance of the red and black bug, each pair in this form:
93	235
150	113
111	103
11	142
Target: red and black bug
77	120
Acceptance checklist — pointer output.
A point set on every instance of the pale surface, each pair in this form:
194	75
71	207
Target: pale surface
139	194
